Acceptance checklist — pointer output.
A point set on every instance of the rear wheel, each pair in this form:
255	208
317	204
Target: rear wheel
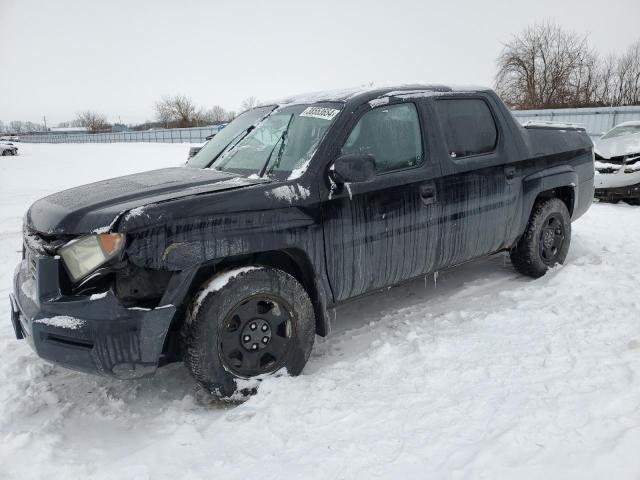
246	323
5	153
546	240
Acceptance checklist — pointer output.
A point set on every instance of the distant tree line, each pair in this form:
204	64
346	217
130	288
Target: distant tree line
18	126
547	67
179	111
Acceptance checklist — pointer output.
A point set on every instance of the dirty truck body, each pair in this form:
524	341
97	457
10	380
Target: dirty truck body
442	204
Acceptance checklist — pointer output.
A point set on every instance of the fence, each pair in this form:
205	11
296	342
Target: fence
595	120
169	135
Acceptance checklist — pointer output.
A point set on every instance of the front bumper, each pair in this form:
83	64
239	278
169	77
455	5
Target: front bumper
619	178
611	194
96	336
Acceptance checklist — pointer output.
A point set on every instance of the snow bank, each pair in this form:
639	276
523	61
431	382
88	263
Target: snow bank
488	375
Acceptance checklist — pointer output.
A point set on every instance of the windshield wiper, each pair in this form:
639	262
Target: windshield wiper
282	142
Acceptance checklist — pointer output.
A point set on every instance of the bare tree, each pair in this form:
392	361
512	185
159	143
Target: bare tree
546	66
607	81
30	127
215	115
16	126
628	76
178	111
248	103
94	121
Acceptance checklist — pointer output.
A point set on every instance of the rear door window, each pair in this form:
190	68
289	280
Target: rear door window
469	127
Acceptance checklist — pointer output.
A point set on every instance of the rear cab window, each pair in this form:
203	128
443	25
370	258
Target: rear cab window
468	126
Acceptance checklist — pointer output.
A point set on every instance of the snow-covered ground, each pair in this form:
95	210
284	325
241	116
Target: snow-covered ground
487	374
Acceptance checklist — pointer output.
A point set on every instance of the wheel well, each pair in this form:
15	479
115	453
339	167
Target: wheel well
566	194
292	261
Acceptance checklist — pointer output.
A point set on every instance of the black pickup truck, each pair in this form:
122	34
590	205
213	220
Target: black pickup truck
236	260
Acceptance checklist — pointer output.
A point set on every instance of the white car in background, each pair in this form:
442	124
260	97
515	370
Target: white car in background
617	155
8	148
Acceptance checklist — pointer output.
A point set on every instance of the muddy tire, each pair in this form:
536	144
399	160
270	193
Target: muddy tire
247	323
546	240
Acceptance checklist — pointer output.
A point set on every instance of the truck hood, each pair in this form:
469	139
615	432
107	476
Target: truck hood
618	146
96	207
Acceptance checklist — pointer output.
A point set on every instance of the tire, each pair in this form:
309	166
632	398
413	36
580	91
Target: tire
546	239
5	153
246	323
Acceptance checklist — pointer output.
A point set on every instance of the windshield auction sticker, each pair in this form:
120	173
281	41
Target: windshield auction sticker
320	112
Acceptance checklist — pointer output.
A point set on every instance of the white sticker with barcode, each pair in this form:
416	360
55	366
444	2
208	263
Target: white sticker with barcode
320	112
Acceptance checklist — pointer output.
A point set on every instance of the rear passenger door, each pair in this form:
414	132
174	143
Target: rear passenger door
383	231
475	183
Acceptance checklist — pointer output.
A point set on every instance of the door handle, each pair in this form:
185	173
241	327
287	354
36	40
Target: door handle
428	193
510	172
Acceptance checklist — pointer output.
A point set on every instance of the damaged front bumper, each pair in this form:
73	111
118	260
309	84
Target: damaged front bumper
611	194
617	181
92	334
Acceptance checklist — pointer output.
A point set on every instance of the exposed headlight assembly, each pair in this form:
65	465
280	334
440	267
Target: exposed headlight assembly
83	255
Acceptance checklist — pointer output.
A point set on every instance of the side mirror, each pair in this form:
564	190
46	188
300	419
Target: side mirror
354	168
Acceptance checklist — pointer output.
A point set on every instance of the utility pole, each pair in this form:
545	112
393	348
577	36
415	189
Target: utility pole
44	117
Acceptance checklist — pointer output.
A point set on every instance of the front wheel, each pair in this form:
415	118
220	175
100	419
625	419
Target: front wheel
546	240
245	323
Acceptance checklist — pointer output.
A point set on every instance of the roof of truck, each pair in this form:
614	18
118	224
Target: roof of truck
373	91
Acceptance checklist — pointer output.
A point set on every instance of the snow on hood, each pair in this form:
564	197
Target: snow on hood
618	146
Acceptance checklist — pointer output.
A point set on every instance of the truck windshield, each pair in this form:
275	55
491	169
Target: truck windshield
282	143
234	130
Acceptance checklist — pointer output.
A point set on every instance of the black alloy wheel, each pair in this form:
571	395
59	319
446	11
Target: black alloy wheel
259	322
551	239
255	336
546	239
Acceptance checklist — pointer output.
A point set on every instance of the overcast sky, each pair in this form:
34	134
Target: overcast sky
119	57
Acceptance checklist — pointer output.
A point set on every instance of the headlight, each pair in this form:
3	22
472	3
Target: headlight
84	255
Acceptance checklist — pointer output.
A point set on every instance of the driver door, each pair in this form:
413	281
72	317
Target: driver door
384	231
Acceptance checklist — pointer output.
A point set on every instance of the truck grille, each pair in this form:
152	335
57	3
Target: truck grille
38	245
